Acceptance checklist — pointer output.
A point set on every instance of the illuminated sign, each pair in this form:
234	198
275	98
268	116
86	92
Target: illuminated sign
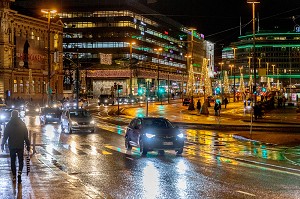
297	28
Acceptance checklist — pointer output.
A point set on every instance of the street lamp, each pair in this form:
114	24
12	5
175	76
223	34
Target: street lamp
221	63
231	66
234	58
130	62
49	12
158	50
253	2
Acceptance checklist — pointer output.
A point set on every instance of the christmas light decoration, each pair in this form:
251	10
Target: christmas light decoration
191	81
226	83
268	85
207	80
250	83
242	85
278	85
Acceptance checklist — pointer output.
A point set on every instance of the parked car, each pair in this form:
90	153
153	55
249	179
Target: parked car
186	101
77	120
153	133
49	114
106	100
152	98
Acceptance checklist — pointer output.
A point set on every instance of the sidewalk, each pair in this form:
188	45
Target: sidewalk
44	181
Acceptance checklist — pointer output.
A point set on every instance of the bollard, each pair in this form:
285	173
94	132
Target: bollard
33	143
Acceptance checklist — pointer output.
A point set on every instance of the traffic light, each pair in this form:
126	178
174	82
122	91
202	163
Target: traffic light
263	89
140	91
161	90
119	87
218	90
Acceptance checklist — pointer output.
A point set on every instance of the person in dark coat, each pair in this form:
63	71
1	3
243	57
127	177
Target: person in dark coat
198	105
16	132
225	101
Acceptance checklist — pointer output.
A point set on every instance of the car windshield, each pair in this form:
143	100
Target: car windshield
79	114
156	123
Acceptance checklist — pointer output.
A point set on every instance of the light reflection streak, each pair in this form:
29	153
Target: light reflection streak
150	181
181	184
50	131
93	150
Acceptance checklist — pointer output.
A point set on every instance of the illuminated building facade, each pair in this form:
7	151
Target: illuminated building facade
277	57
23	56
102	34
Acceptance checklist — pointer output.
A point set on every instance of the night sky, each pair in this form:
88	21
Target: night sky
219	20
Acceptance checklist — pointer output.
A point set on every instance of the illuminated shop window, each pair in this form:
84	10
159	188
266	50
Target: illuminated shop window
21	86
15	86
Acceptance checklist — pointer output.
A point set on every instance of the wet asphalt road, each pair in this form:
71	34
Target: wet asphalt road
213	165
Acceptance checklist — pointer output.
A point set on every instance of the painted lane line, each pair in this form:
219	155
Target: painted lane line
246	193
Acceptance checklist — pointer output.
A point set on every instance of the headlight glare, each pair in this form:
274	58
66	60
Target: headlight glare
74	123
92	122
180	135
149	135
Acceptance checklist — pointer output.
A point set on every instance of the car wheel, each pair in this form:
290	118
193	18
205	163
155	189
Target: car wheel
161	152
143	149
179	151
127	144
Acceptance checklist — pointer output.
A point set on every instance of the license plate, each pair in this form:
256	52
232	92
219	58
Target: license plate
168	143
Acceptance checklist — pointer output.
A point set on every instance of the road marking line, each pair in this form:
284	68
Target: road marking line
106	152
246	193
129	158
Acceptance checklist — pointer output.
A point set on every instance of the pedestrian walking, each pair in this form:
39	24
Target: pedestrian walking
216	108
16	132
225	101
198	105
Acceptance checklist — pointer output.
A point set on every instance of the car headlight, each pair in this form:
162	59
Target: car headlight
27	110
149	135
48	116
22	106
148	98
67	104
55	106
180	135
105	100
98	101
2	117
12	106
37	110
132	100
74	123
74	104
92	122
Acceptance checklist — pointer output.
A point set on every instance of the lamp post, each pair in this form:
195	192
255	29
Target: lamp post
234	58
267	68
49	12
253	2
158	50
130	65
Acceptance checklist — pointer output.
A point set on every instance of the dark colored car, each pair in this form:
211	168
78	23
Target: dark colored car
152	133
106	100
49	114
32	110
186	101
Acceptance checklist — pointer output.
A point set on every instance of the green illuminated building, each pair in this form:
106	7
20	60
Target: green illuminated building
277	57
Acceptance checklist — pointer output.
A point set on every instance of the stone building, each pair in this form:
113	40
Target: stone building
24	56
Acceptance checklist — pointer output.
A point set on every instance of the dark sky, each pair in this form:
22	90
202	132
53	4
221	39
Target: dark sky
219	20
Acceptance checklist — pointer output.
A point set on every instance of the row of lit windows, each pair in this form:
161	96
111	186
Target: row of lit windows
107	14
25	87
118	24
97	45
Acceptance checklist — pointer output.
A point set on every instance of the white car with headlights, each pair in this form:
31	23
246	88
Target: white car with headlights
77	120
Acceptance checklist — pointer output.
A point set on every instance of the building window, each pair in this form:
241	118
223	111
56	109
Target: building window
21	86
39	86
27	87
15	86
32	87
